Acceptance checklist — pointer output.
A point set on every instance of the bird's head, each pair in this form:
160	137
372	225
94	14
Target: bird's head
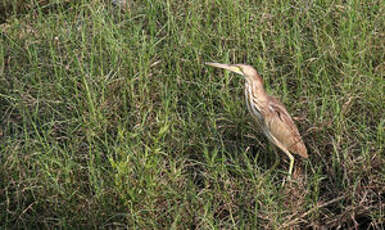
247	71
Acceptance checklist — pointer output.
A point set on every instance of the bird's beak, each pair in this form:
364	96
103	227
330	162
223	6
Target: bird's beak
232	68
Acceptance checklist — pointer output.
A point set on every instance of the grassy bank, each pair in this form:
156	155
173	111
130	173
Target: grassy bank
109	118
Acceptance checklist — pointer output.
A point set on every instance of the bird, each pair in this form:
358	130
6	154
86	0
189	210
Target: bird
269	113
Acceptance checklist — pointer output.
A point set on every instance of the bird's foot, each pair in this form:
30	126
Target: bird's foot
288	178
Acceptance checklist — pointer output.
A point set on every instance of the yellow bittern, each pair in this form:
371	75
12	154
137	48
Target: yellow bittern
269	113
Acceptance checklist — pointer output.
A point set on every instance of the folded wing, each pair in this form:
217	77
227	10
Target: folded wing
283	129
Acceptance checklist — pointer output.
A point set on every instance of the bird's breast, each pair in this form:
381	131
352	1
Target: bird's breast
251	106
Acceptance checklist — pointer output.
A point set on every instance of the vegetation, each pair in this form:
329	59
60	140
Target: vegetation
109	119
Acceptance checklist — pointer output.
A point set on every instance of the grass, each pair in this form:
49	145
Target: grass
109	119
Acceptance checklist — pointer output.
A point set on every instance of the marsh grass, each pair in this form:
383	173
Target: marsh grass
109	118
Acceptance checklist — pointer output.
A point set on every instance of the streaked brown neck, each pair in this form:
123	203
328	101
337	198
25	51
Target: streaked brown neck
255	86
256	78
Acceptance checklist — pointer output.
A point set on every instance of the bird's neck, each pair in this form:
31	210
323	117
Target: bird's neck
255	88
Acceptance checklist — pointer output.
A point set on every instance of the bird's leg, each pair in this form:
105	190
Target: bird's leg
291	162
290	166
278	144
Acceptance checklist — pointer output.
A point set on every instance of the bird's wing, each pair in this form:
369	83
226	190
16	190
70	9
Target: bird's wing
283	129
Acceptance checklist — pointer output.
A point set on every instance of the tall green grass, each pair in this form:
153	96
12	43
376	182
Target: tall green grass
109	118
